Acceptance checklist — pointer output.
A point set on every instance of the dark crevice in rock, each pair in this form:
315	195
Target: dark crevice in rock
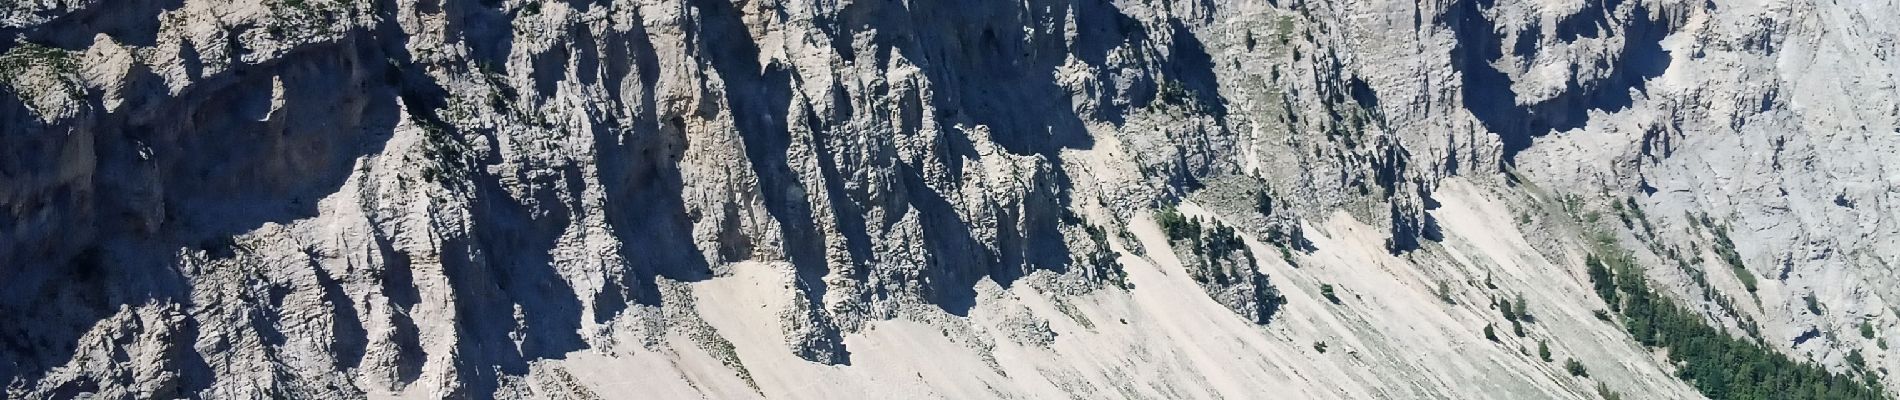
398	286
1363	94
1188	63
954	249
1807	335
1487	92
488	32
351	341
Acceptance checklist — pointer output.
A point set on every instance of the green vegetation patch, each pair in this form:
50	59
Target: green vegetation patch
1726	249
28	55
1718	365
28	67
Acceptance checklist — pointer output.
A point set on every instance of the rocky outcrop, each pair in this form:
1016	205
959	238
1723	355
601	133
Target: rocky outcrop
372	198
1218	260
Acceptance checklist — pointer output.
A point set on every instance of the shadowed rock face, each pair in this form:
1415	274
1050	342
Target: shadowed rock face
466	198
1517	119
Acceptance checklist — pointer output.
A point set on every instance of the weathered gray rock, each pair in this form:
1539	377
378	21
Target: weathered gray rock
514	198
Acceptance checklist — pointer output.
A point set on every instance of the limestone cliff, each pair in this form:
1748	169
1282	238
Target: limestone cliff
862	198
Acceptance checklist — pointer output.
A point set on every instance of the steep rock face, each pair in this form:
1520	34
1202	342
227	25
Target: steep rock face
1765	149
384	182
296	198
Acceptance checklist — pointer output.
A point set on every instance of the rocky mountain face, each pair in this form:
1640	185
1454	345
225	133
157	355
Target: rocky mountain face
934	199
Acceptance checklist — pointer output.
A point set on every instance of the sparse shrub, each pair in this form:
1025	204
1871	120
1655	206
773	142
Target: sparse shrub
1222	240
1726	248
26	55
1284	30
1523	313
1744	275
1175	225
1174	93
1606	393
1603	281
1576	368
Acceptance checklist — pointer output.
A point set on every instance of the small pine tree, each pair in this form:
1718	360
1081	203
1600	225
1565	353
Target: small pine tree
1522	312
1326	289
1866	330
1489	333
1604	390
1576	368
1604	281
1543	350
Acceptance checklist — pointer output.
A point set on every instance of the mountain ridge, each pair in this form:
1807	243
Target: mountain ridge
521	198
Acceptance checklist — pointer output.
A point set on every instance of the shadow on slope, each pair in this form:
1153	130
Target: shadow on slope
190	172
985	69
1487	92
